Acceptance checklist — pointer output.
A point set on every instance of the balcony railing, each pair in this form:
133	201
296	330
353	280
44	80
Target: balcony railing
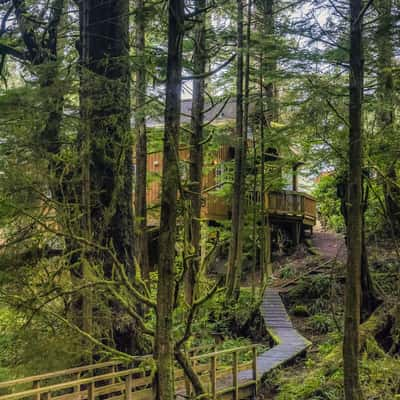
288	203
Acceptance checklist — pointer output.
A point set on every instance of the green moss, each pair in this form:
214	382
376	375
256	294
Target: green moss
300	310
322	379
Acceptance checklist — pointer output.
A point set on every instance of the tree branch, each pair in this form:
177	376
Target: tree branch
210	73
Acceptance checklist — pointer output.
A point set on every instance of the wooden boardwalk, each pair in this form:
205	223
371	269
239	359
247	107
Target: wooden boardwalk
290	343
116	381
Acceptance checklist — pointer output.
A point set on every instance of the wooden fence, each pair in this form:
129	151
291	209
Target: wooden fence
118	381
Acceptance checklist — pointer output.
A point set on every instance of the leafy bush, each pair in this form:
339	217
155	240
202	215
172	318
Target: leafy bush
287	272
310	288
300	310
321	323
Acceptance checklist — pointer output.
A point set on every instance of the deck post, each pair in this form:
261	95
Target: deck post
77	388
90	390
213	377
47	396
128	387
36	385
113	371
235	372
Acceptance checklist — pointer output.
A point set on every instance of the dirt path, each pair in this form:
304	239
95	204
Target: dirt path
329	244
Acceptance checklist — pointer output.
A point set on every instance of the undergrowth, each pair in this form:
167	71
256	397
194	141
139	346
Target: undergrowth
317	302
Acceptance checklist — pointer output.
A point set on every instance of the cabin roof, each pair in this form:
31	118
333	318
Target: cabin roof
220	111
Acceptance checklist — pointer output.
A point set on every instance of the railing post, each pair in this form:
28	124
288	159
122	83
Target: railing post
213	377
36	385
235	371
90	391
77	388
255	369
128	387
113	371
47	396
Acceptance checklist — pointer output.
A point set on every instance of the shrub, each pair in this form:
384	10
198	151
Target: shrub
321	323
300	311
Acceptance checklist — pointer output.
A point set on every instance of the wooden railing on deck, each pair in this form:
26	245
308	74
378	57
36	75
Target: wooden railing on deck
118	381
288	203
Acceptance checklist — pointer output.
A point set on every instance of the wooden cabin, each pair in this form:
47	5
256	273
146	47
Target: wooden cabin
289	210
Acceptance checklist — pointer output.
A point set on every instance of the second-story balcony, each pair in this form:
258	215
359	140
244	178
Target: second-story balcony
283	204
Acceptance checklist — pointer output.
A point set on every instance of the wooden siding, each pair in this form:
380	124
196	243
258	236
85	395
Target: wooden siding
213	205
284	203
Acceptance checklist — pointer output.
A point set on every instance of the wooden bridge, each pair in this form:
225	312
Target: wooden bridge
226	374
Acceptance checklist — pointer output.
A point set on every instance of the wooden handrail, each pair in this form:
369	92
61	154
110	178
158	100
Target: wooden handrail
70	384
56	374
225	351
86	388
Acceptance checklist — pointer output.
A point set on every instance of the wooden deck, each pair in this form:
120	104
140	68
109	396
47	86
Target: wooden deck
114	381
289	205
281	206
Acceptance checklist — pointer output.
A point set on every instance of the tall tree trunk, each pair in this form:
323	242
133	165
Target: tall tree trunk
369	296
264	215
236	245
268	114
353	281
270	63
196	147
142	249
164	342
107	139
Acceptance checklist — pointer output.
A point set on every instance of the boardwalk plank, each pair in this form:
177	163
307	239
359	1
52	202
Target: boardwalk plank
291	342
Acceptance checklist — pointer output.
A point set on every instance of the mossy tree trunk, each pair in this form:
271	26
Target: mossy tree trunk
234	270
196	147
142	249
268	113
42	56
106	140
164	341
354	230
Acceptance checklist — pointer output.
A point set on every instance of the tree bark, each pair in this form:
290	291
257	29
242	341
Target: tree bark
196	148
351	340
267	115
106	139
164	342
236	244
369	298
142	249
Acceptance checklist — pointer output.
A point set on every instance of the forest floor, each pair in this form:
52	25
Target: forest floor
328	245
313	292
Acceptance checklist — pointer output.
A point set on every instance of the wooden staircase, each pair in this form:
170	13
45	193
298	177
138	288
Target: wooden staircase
116	381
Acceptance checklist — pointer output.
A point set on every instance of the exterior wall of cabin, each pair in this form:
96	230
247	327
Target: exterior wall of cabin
214	208
286	203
